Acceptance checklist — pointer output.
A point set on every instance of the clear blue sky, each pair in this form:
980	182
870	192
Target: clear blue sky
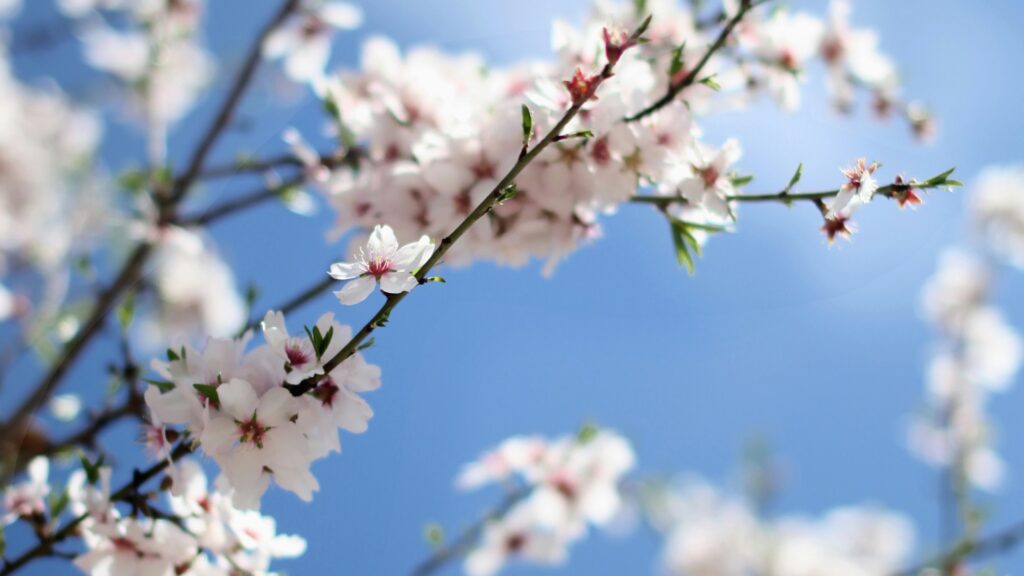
818	350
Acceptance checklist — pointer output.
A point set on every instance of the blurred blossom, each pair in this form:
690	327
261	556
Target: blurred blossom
710	534
65	407
998	206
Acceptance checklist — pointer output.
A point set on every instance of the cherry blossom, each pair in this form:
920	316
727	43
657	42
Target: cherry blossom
858	189
29	497
305	42
384	262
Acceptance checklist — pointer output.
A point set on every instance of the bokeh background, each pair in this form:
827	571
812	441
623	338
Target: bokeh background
818	351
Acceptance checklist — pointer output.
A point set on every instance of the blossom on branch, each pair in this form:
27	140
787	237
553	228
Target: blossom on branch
382	262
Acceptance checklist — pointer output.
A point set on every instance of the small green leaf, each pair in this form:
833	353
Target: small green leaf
126	311
683	255
508	193
795	179
251	294
3	542
162	385
677	60
741	180
133	181
208	391
434	535
92	469
58	502
527	126
366	345
430	279
325	342
172	356
586	433
711	83
639	7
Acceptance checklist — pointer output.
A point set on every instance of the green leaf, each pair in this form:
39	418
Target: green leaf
208	391
429	279
434	535
325	342
58	502
172	356
134	181
795	179
366	345
162	385
683	255
92	469
3	542
677	60
126	311
586	433
508	193
527	126
640	7
741	180
710	83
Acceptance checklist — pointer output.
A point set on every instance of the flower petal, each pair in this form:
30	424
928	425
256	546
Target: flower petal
356	291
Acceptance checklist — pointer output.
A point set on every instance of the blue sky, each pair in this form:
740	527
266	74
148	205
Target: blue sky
817	350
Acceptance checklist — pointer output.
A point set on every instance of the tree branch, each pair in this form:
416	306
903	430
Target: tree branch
674	89
470	536
227	109
125	493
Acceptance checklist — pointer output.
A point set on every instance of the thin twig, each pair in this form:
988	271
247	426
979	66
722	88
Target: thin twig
125	493
227	109
691	77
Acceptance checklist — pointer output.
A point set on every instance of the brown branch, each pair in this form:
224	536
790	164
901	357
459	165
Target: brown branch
674	89
470	536
227	109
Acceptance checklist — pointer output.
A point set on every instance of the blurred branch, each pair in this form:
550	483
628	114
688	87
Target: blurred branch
675	88
997	543
470	536
227	109
301	299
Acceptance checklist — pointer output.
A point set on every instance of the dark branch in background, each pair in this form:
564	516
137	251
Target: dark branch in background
997	543
127	493
496	196
228	207
227	110
301	299
14	428
691	77
470	536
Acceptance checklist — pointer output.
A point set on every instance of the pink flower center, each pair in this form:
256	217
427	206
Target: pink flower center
378	267
326	392
515	542
483	169
600	152
252	430
709	175
296	355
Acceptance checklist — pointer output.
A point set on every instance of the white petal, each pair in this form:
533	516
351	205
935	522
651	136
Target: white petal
277	407
280	42
308	60
346	270
219	436
382	242
238	399
397	282
342	15
356	290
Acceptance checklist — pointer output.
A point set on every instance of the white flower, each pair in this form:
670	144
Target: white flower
382	261
305	41
705	180
859	188
998	207
515	537
65	407
256	439
28	497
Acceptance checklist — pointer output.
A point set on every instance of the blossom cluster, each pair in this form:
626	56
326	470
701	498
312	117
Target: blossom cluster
437	132
714	534
52	204
202	533
979	354
998	211
154	53
238	405
564	486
